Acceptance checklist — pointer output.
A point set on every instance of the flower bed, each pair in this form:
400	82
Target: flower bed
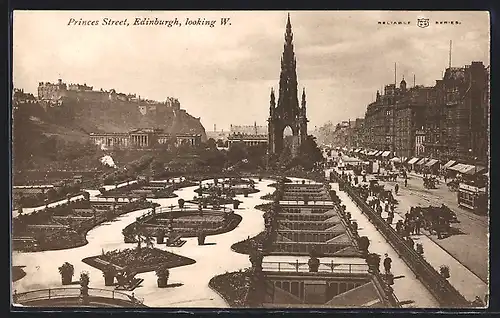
269	196
248	245
76	237
232	287
139	260
266	207
228	225
17	273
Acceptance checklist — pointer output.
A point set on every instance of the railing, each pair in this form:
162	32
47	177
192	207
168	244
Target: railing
301	202
323	267
444	292
71	292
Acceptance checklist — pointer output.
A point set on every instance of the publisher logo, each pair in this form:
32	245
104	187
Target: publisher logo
423	22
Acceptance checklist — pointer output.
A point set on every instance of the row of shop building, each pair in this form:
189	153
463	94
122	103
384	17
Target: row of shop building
422	164
449	120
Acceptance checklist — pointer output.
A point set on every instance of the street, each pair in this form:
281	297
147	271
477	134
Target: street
470	244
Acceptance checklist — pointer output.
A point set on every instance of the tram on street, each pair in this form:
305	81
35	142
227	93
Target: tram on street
473	198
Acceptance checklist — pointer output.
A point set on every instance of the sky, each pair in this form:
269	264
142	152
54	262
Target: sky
224	74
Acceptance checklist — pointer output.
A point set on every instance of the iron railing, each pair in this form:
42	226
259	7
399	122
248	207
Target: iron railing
72	292
325	267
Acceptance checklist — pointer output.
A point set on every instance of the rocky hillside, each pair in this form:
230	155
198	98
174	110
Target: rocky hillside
35	127
119	116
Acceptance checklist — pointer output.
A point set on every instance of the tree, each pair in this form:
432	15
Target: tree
156	167
237	152
211	144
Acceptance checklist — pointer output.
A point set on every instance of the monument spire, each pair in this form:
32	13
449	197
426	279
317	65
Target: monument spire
288	98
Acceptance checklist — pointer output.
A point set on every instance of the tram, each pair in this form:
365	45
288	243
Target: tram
472	197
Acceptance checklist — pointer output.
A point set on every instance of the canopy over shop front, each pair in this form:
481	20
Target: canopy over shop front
458	167
395	159
386	153
467	169
431	162
357	150
373	152
449	164
422	161
403	159
413	160
472	170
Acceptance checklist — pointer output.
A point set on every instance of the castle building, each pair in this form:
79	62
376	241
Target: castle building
287	117
143	138
54	94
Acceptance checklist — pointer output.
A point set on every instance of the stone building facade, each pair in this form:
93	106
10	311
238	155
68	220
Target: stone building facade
248	139
457	119
143	138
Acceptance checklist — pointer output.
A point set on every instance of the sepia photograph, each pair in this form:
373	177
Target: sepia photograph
250	159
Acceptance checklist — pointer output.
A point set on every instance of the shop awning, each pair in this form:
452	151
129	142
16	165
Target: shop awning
472	170
431	162
357	150
403	159
458	167
373	152
385	153
412	160
449	164
422	161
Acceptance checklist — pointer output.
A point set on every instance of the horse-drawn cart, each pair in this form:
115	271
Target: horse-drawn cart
434	217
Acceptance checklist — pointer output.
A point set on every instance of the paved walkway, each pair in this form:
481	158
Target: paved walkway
26	211
407	288
41	267
117	186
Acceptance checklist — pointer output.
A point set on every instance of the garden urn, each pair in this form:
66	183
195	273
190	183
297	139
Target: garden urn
201	239
313	264
66	271
236	204
109	278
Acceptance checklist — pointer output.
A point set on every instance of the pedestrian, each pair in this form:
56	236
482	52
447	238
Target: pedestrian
417	225
399	226
410	242
387	264
396	188
406	182
379	210
438	228
390	218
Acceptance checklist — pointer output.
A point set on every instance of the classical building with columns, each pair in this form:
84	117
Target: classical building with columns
143	138
248	139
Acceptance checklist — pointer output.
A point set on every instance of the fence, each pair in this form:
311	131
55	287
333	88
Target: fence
282	266
444	292
72	292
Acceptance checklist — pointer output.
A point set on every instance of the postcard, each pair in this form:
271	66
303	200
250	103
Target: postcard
250	159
